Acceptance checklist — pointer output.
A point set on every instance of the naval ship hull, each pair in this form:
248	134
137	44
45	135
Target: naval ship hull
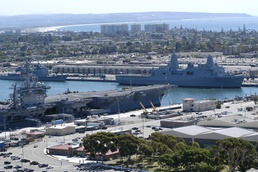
29	102
82	104
19	118
130	99
208	75
193	82
38	70
17	77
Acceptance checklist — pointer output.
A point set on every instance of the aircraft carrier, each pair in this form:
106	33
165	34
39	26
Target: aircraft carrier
82	104
29	103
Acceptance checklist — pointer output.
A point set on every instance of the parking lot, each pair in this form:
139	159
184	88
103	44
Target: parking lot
32	157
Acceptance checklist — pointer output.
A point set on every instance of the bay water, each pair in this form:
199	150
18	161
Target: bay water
175	95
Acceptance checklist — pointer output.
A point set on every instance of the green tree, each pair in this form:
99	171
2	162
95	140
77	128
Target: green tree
218	104
160	148
128	145
233	152
166	139
191	154
166	162
100	143
145	149
191	157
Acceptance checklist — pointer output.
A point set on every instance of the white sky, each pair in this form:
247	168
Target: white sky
19	7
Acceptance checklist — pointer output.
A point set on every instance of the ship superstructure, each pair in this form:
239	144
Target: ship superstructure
208	75
109	101
39	70
26	103
29	102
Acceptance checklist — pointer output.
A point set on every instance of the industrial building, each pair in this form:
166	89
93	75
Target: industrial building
60	130
208	137
192	105
225	121
84	69
174	123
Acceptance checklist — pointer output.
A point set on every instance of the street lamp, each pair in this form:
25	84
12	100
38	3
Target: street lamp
4	126
118	109
10	134
143	120
22	154
46	142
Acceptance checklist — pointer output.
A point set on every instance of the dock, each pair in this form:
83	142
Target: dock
108	78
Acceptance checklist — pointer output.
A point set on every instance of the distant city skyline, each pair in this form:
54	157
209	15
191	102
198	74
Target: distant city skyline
23	7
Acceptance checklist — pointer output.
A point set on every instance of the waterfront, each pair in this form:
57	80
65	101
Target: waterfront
174	96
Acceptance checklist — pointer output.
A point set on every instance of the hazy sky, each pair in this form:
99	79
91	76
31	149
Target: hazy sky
18	7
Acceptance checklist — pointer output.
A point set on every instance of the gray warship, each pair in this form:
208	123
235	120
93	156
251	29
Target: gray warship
208	75
82	104
39	70
26	104
29	103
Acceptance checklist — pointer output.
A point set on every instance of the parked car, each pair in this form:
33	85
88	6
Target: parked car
25	160
34	163
15	158
28	170
7	162
49	167
75	140
8	167
17	166
42	165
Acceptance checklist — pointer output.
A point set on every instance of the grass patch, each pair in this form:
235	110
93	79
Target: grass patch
143	164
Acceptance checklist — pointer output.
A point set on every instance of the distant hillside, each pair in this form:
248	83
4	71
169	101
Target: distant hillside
70	19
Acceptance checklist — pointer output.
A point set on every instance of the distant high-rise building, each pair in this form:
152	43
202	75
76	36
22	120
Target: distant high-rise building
114	28
244	29
156	27
136	28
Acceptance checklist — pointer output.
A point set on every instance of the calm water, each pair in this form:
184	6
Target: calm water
213	24
174	96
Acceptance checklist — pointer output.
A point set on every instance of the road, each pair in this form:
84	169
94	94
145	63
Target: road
126	121
35	151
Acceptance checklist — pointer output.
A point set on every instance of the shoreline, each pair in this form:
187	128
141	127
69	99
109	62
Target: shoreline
175	23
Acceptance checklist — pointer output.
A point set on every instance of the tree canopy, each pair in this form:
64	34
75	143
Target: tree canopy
235	153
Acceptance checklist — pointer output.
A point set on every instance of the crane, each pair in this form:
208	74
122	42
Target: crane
154	108
145	110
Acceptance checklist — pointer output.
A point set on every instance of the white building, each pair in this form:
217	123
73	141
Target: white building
60	130
114	28
191	105
208	137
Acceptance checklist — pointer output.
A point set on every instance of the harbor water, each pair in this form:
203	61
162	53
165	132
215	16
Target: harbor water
175	95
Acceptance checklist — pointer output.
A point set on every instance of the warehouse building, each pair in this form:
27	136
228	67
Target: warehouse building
96	70
192	105
208	137
60	130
